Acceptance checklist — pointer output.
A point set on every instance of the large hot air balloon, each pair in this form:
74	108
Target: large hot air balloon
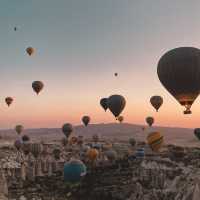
120	119
18	144
74	170
8	100
19	129
155	140
197	132
67	129
30	50
116	104
37	86
156	102
179	72
86	120
104	103
150	121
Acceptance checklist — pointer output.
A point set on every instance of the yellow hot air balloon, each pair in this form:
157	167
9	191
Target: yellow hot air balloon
92	154
155	140
30	50
19	129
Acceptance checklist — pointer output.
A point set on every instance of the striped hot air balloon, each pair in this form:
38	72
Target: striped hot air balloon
36	149
155	140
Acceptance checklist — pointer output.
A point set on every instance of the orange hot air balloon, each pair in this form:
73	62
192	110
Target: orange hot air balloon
179	72
30	50
37	86
150	121
86	120
8	100
155	140
92	154
156	102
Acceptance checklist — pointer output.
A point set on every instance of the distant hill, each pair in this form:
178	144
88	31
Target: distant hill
113	131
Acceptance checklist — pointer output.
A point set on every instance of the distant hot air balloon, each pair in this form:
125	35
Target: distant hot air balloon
104	103
73	140
37	86
140	153
116	104
120	119
67	129
179	72
86	120
92	154
111	154
155	140
17	144
156	102
30	50
197	132
116	74
150	121
25	138
8	100
74	170
19	129
36	149
132	141
15	28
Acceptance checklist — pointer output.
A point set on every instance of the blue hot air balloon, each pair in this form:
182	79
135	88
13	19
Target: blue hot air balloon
74	170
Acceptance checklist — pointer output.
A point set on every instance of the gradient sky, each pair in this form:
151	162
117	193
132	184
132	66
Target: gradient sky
79	45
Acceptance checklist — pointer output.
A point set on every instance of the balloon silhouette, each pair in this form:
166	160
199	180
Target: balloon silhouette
156	102
150	121
8	100
104	103
37	86
85	120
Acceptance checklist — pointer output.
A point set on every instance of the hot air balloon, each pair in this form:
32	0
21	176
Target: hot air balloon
116	104
73	140
19	129
15	28
104	103
37	86
150	121
30	50
111	155
197	132
92	154
179	72
8	100
86	120
17	144
116	74
140	153
120	119
155	140
132	142
67	129
25	138
74	170
36	149
156	102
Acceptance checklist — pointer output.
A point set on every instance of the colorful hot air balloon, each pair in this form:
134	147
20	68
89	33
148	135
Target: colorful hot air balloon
92	154
30	50
179	72
86	120
37	86
150	121
132	141
74	170
155	140
18	144
36	149
116	104
120	119
19	129
197	132
8	100
67	129
104	103
156	102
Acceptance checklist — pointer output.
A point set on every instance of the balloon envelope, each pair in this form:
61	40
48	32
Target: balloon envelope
85	120
104	103
67	129
155	140
74	170
30	50
37	86
120	119
179	72
156	102
150	121
19	129
8	100
116	104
